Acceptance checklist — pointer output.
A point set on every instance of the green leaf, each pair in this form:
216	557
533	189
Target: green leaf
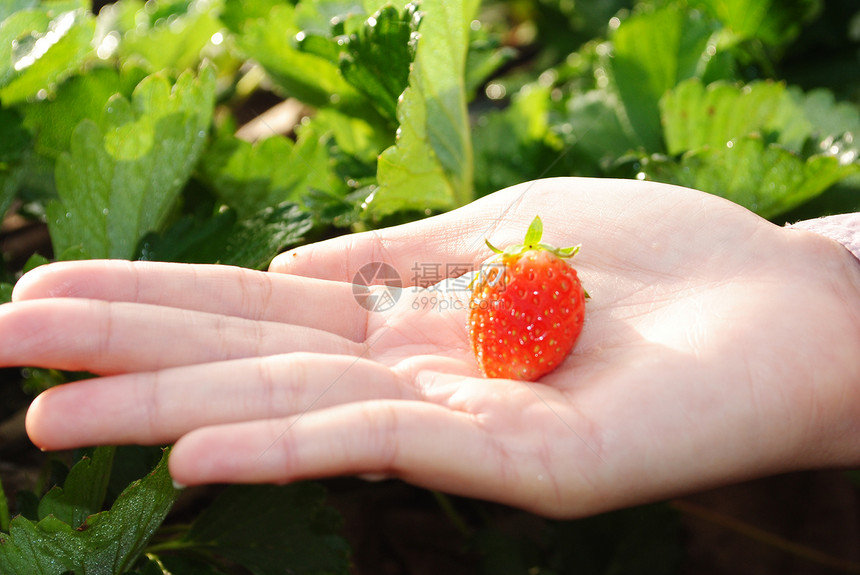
190	240
35	381
318	17
5	292
695	116
83	491
34	261
130	463
225	238
161	35
9	7
47	547
106	544
14	138
772	22
371	6
78	98
121	179
310	78
826	116
256	240
516	144
4	501
651	53
15	144
250	177
234	15
409	174
353	136
41	45
377	58
272	530
765	178
484	59
594	127
430	166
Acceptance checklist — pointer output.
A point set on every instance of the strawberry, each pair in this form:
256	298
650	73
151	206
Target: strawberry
527	309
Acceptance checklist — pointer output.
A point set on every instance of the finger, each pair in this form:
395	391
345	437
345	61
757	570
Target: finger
604	215
449	244
117	337
158	407
423	443
228	290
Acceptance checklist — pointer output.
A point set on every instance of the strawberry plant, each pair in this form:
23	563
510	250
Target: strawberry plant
218	131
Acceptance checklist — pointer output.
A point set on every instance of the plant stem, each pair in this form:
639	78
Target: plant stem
453	516
765	537
171	545
4	510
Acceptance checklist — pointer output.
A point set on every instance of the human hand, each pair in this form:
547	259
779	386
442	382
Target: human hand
717	347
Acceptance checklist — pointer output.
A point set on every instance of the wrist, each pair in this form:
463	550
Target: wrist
842	228
838	248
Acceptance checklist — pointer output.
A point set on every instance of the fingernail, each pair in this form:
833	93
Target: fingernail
178	486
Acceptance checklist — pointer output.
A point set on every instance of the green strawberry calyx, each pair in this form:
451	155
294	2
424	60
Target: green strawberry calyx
532	242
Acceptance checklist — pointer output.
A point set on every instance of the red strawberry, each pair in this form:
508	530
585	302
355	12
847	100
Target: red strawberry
526	310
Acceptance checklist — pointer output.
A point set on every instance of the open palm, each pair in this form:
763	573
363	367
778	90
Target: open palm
704	359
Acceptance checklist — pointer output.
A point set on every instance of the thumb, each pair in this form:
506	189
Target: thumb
421	253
